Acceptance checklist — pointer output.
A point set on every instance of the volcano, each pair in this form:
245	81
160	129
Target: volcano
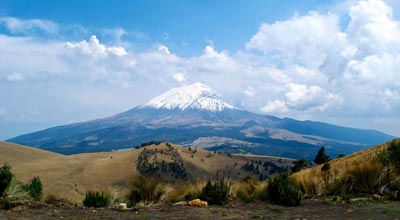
196	116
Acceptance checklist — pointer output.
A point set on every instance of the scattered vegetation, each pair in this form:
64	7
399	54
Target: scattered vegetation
148	163
283	189
5	178
365	178
299	165
216	193
394	154
309	186
35	189
145	144
185	192
246	191
321	156
18	191
326	167
146	190
272	168
12	190
97	199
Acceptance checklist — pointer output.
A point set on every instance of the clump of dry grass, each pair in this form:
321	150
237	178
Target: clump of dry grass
146	190
184	192
364	178
309	186
17	191
247	189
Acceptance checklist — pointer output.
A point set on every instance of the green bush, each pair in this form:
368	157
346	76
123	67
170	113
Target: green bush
97	199
146	190
35	189
326	167
216	193
285	190
394	153
299	165
6	204
321	156
5	178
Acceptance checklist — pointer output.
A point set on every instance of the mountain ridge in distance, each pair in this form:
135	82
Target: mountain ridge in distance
195	115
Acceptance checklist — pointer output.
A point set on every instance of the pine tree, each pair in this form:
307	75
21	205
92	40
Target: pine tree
321	157
299	164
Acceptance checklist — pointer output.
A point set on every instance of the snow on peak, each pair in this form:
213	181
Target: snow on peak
195	96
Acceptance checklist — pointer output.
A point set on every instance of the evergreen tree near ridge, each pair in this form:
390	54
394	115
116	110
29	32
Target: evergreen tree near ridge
321	157
299	165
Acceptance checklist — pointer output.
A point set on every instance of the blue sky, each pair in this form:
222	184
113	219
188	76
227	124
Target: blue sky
69	61
185	26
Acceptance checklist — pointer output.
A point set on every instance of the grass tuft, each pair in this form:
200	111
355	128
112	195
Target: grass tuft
146	190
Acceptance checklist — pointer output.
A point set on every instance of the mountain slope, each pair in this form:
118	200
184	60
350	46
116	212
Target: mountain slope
339	168
196	115
71	176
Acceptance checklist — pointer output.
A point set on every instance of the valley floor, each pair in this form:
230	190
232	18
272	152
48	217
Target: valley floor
310	209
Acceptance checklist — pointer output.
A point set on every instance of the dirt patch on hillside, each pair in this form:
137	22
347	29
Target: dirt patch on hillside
310	209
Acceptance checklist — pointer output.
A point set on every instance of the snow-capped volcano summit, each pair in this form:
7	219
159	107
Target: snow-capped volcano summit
195	115
195	96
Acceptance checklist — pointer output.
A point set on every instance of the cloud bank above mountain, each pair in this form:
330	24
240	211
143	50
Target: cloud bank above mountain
337	66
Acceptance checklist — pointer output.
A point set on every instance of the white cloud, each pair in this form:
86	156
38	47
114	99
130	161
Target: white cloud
163	49
275	107
180	77
317	66
249	91
372	28
304	40
14	77
95	49
20	26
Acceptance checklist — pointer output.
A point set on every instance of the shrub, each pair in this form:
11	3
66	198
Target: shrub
6	204
365	178
299	165
97	199
325	167
35	189
394	153
216	193
369	178
284	189
18	191
146	190
321	156
5	178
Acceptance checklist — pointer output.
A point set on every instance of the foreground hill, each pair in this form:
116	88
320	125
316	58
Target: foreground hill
72	176
363	161
195	115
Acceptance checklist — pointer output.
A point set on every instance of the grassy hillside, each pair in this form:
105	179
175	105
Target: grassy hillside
71	176
362	162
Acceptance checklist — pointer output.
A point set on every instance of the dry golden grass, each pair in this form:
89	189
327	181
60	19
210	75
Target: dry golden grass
184	192
316	181
70	177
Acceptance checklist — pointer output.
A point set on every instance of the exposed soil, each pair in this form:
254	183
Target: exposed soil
310	209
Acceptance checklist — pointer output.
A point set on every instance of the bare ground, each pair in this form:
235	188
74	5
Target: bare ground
310	209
